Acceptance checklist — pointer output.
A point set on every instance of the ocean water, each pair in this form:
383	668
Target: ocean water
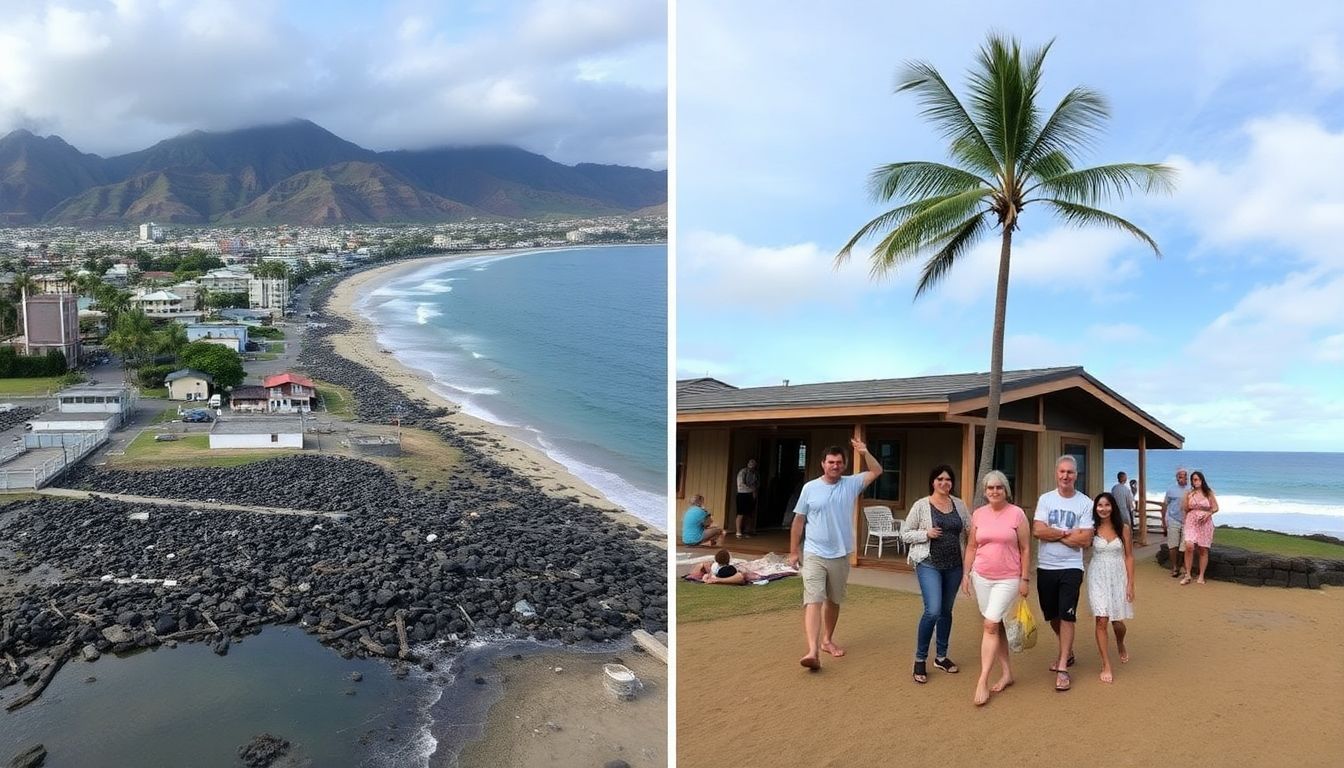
565	348
1287	492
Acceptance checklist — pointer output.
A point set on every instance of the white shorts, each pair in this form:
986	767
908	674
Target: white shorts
995	596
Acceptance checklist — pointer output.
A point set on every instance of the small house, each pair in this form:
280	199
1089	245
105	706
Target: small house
249	399
267	432
188	384
290	393
230	335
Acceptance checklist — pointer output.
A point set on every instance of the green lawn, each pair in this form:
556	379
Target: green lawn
337	400
1276	543
36	386
160	393
707	602
187	451
276	347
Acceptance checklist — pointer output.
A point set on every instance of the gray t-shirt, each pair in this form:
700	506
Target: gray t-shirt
1125	498
1175	501
1063	514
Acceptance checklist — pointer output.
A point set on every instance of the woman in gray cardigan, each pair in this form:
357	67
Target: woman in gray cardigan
936	529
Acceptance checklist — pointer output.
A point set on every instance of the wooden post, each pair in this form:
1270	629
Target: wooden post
1142	502
857	463
968	465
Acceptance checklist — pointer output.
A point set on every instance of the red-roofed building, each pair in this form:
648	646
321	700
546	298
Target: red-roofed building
289	393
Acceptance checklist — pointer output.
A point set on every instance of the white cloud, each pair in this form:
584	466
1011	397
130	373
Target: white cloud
721	272
1118	334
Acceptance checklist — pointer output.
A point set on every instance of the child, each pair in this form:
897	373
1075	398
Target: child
721	571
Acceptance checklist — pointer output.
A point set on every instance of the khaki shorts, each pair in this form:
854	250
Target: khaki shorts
824	579
1174	540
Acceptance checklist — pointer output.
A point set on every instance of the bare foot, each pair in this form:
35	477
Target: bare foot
981	695
1003	683
833	649
1200	580
1106	676
811	662
1124	652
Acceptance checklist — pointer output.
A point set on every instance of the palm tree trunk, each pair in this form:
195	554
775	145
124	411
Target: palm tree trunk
996	360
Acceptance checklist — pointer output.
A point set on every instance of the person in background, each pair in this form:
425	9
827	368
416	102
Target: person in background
936	529
1173	520
748	484
1200	507
1063	523
998	554
1124	497
1110	578
698	528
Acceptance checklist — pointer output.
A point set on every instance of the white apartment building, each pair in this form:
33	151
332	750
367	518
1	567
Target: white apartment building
226	280
151	232
160	304
271	294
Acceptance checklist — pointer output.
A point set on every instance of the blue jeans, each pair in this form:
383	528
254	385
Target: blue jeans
939	587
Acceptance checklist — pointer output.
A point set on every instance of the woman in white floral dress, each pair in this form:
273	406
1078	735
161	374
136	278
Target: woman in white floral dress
1110	578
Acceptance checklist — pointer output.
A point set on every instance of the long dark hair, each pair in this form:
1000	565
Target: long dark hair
1117	519
1204	488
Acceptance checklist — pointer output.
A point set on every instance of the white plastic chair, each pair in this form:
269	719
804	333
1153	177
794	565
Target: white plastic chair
882	525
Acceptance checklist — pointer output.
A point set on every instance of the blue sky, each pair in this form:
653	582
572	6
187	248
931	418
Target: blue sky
576	80
1234	338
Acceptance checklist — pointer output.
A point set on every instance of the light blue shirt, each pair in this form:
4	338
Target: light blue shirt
693	525
829	509
1175	501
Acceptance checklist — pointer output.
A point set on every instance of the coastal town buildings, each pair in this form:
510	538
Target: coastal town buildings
268	294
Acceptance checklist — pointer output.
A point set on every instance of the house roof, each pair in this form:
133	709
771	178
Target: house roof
183	373
961	395
249	393
157	296
286	378
258	425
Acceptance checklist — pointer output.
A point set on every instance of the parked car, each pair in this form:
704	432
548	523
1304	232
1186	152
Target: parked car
197	417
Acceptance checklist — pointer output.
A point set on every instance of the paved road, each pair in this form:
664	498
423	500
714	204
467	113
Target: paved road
191	504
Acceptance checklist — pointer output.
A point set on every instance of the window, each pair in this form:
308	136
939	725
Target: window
275	438
888	486
1078	450
681	465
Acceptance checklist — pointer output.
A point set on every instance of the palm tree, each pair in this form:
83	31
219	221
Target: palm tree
132	337
1007	155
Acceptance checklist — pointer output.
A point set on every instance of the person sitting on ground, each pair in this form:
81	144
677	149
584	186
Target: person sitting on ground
720	571
698	528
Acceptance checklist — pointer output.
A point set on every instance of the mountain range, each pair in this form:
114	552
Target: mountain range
300	173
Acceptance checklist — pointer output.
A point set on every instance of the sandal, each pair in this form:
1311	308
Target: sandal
1072	660
921	673
947	665
1062	681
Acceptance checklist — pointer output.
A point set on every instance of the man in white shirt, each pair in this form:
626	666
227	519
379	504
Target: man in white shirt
1063	523
826	510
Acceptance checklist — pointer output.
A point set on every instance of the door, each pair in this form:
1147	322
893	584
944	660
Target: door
787	470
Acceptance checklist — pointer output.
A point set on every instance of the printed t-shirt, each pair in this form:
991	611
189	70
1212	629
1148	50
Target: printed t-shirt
829	509
1062	514
997	555
692	525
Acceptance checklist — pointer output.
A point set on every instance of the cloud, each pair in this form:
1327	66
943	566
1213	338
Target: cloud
113	78
721	272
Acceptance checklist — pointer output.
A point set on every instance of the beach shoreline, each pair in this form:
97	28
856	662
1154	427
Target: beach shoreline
360	345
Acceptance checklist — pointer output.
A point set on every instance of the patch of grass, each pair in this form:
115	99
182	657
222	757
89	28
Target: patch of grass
187	451
424	456
159	393
166	415
337	400
265	332
276	347
264	356
7	497
34	386
1276	543
708	602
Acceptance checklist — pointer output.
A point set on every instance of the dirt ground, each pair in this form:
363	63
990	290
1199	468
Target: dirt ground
590	726
1220	674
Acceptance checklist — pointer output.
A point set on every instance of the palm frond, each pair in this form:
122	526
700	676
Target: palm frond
1082	215
923	229
942	107
1003	90
921	179
1088	186
887	220
1072	125
955	243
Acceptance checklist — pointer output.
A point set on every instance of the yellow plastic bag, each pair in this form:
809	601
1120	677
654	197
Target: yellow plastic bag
1021	627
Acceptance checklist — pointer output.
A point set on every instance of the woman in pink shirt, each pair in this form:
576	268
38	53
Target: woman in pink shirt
997	558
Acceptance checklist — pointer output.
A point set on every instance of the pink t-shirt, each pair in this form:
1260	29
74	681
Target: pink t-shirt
997	555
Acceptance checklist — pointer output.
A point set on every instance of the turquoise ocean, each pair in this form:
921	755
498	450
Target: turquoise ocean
1296	493
565	348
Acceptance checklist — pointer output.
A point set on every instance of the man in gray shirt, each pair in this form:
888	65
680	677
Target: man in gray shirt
1125	498
1173	515
748	486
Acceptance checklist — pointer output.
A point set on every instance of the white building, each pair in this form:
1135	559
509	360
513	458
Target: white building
55	421
161	304
270	294
151	233
252	432
105	398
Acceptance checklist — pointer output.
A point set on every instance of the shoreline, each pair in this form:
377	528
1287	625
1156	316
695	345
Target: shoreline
360	345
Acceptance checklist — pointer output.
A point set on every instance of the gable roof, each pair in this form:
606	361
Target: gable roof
183	373
157	296
286	378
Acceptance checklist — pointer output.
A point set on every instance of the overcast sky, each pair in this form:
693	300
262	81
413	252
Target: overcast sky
576	81
1235	338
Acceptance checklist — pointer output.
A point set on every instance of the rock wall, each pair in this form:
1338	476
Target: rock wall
1258	569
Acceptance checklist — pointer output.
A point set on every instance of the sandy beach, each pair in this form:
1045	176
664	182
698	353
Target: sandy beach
360	345
1220	674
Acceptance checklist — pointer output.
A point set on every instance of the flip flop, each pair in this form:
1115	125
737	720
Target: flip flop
1072	660
947	665
1062	681
920	673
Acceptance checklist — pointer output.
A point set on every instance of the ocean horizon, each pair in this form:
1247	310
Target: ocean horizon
565	348
1289	492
